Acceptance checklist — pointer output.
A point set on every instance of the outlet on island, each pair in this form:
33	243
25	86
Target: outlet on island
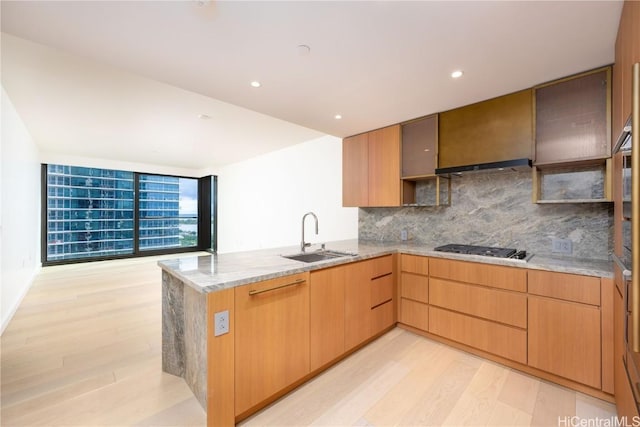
221	323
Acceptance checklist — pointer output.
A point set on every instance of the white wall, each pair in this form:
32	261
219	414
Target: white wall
19	211
262	200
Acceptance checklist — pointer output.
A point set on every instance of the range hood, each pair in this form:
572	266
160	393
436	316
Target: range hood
490	135
512	165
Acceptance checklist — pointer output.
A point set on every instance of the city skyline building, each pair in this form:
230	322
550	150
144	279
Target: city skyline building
91	213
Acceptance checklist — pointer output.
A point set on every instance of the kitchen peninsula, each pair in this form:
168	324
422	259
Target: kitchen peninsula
285	321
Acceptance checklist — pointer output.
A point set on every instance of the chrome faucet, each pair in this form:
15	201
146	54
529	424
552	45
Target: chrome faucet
304	245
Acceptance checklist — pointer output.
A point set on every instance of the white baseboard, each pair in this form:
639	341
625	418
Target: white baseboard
16	304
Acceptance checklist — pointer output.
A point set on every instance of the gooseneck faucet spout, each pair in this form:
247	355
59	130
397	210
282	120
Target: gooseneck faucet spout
304	245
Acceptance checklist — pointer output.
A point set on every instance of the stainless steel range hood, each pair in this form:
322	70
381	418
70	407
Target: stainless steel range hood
510	165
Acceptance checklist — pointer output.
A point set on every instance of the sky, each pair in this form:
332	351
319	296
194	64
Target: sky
188	196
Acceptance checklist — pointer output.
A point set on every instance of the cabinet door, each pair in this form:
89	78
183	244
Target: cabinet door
384	167
625	402
357	309
419	147
564	339
271	338
326	315
355	170
572	119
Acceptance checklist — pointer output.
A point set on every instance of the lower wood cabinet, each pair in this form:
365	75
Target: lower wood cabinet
495	276
284	329
357	304
625	401
369	290
382	317
381	290
501	340
414	291
271	338
414	287
414	314
565	339
479	305
327	314
492	304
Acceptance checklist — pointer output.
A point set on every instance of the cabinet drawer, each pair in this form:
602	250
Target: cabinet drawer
381	290
381	266
414	314
382	317
514	279
570	287
415	264
501	340
414	287
492	304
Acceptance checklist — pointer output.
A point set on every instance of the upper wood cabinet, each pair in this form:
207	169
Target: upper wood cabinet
490	131
573	119
627	54
420	147
355	170
371	168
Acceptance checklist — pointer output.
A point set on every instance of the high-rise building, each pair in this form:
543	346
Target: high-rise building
90	212
159	212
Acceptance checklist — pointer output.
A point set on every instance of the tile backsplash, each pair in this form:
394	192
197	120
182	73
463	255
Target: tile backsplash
495	209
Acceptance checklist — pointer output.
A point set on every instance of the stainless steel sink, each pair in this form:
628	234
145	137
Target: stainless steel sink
317	256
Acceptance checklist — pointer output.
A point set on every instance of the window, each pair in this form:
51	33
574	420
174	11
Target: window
168	212
91	213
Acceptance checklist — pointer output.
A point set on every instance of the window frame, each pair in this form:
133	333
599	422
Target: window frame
207	212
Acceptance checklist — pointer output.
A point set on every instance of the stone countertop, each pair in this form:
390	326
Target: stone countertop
210	273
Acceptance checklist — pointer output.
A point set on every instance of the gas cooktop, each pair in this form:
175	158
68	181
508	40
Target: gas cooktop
482	250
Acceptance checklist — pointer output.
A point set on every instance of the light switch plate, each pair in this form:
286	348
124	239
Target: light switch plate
561	246
221	323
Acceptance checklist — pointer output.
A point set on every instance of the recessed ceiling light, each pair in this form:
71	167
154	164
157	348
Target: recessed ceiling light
337	117
204	116
255	83
456	74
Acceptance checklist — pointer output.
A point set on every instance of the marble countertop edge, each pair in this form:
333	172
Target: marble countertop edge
215	272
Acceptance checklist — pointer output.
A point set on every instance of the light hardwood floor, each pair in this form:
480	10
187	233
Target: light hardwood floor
84	349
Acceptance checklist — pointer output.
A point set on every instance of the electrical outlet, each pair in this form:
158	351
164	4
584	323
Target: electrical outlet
221	323
561	246
404	235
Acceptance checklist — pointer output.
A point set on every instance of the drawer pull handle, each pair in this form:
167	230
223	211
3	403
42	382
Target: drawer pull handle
286	285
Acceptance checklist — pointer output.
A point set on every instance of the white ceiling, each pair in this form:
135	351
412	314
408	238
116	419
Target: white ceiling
126	80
